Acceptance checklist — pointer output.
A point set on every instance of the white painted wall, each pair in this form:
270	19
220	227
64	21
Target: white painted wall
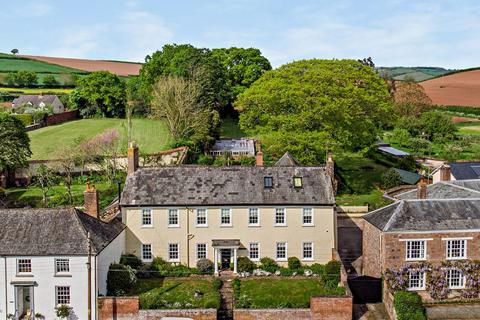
108	256
436	177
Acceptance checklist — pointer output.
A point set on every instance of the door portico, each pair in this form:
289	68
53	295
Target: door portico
224	250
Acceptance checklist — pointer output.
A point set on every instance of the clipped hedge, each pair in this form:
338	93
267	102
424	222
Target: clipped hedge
27	119
408	306
120	279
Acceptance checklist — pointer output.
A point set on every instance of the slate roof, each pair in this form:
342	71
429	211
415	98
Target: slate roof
407	176
59	231
447	190
393	151
465	170
287	160
34	99
235	145
427	215
231	185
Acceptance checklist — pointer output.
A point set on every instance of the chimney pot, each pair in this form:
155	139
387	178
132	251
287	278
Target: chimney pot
259	159
90	197
422	190
132	158
445	173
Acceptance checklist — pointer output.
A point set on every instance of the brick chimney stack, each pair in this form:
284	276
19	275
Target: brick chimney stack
132	157
259	159
330	166
90	197
445	173
422	190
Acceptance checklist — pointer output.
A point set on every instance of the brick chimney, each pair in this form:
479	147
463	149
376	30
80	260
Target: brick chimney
330	166
422	190
259	159
445	173
90	197
132	157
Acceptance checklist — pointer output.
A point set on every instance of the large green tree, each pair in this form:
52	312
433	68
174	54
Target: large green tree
100	93
14	143
243	67
310	106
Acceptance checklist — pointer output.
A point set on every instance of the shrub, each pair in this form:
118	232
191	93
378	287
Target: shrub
120	279
408	306
160	265
205	266
391	179
26	119
63	311
243	302
146	271
317	268
294	263
217	283
286	272
205	160
247	161
244	264
332	273
166	269
131	260
268	264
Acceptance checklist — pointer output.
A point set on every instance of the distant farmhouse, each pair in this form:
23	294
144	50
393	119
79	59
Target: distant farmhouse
39	102
457	171
234	147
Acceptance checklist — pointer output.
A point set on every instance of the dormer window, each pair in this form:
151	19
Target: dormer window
297	182
268	182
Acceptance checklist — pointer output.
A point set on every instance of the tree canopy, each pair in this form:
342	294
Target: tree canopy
100	94
310	106
410	99
14	143
243	67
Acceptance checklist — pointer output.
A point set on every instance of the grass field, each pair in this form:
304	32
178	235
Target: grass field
46	143
10	64
230	129
35	90
469	128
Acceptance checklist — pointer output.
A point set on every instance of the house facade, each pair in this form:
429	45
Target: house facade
44	258
39	102
187	213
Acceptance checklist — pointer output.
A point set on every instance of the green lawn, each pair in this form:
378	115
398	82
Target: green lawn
229	128
176	294
46	143
18	64
283	293
469	128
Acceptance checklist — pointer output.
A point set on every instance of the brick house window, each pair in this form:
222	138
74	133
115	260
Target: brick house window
147	252
24	265
201	250
280	219
307	217
173	252
254	251
416	250
457	249
62	295
416	280
146	217
455	279
226	217
307	251
281	252
253	217
173	219
202	218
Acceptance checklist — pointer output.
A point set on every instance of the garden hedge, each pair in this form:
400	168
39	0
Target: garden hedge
408	306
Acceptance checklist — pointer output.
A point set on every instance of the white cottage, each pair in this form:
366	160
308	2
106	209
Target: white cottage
44	256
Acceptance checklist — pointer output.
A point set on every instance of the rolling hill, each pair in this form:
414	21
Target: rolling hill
416	73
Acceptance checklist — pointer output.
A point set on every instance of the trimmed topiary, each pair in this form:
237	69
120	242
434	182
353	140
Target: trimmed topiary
294	263
268	264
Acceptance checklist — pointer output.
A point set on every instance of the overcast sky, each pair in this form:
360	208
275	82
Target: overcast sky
407	33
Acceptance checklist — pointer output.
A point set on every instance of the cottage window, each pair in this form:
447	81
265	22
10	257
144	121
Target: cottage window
297	182
24	265
254	251
62	265
268	182
201	250
253	217
201	217
173	219
146	217
62	295
147	252
456	249
173	252
307	252
416	280
307	217
455	279
226	217
280	219
281	252
416	250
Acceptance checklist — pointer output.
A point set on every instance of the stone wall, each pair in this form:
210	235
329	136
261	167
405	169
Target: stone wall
272	314
195	314
453	311
372	253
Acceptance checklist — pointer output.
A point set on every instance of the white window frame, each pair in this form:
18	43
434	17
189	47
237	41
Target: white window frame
422	278
172	225
425	246
62	260
276	251
206	250
462	278
298	178
150	212
258	218
229	215
284	224
311	224
177	259
57	288
18	266
303	251
205	225
249	251
448	250
142	252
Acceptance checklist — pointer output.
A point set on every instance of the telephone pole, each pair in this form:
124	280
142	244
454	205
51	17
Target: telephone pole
89	268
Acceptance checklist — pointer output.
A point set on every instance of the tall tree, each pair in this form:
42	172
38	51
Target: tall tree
309	106
14	143
410	99
100	94
243	66
14	51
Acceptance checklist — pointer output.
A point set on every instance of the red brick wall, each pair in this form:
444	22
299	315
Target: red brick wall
117	307
331	308
195	314
372	251
272	314
62	117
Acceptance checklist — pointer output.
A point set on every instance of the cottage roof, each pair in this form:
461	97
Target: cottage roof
465	170
34	99
287	160
59	231
447	190
230	185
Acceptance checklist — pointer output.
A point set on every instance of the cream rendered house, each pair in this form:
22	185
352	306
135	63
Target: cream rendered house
186	213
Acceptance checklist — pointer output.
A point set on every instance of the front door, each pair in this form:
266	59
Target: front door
226	255
24	305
